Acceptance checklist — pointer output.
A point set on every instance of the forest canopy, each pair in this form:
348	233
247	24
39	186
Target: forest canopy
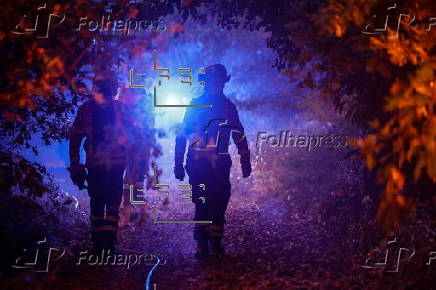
374	60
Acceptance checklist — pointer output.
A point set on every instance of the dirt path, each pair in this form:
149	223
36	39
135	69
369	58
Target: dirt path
276	237
280	234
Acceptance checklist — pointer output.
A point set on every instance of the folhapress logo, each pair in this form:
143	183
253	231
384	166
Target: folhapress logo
42	22
286	139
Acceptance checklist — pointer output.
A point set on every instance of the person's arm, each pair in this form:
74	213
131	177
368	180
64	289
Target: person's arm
136	152
240	140
180	147
77	133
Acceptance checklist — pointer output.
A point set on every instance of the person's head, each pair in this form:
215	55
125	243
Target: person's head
215	78
104	91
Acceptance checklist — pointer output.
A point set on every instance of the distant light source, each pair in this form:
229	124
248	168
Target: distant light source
173	92
171	100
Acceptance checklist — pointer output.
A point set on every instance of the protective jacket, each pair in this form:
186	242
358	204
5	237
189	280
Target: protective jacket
207	132
109	135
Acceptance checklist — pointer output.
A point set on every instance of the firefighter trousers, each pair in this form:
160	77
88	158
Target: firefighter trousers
210	194
105	189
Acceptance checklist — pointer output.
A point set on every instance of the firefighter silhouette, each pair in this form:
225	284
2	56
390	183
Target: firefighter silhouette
109	135
208	130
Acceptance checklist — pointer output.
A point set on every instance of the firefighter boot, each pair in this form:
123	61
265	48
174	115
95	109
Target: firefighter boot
201	235
97	241
216	237
111	227
95	230
110	239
